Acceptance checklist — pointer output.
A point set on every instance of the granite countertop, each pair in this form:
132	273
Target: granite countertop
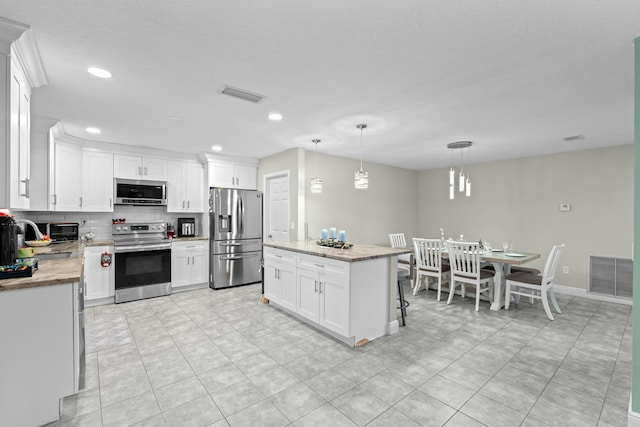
356	253
55	271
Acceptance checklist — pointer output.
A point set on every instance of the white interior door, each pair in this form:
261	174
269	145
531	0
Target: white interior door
277	206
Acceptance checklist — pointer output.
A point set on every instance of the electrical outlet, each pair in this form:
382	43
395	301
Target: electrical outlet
293	225
565	269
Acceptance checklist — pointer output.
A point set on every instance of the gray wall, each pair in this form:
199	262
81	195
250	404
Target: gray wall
389	205
518	201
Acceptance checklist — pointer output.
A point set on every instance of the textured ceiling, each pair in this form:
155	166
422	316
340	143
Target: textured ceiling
514	77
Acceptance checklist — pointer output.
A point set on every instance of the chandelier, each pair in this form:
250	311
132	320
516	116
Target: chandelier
361	177
316	183
464	183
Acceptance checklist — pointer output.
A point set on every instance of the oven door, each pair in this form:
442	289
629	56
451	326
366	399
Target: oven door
142	273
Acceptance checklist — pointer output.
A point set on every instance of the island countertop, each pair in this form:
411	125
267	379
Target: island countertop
55	271
356	253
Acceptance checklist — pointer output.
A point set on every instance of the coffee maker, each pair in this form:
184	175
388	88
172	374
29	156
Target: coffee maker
9	229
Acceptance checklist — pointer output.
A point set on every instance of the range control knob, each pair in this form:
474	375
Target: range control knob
118	228
125	228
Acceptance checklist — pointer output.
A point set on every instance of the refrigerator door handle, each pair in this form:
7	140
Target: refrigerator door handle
235	257
241	214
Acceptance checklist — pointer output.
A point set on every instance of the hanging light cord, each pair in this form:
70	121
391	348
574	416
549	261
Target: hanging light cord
316	142
361	128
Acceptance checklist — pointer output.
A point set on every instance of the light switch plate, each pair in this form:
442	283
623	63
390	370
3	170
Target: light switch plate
565	207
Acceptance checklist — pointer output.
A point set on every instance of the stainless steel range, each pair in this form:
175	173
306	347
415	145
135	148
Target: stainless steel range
142	260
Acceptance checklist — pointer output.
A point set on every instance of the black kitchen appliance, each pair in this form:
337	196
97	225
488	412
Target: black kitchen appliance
59	232
186	227
8	240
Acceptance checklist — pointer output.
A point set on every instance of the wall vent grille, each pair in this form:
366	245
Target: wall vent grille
242	94
611	276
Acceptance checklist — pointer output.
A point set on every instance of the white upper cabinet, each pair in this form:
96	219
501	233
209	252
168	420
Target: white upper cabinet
185	187
97	182
138	167
19	139
21	70
233	175
66	178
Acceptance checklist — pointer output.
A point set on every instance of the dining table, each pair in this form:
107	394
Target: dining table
501	262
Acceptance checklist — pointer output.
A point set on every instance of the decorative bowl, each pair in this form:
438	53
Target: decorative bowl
37	243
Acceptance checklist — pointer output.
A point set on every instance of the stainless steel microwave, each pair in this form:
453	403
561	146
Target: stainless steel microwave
140	192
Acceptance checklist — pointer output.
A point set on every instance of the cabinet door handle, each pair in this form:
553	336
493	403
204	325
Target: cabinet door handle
316	286
237	181
146	170
193	260
80	201
26	181
320	287
183	204
140	170
188	260
55	199
110	202
319	265
188	204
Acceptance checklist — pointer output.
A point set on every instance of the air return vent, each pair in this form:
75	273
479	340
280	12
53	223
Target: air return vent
611	276
242	94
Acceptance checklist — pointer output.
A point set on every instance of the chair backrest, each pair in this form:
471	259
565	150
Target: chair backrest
428	253
397	240
464	259
550	267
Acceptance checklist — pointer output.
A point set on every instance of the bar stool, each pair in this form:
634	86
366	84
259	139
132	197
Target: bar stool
403	274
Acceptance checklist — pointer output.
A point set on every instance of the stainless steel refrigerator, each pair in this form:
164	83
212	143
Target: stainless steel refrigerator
235	237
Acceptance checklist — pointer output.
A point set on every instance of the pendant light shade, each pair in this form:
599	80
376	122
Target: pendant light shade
361	177
316	183
464	182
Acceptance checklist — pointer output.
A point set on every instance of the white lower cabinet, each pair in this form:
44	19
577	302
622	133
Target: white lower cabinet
323	292
280	278
189	263
99	280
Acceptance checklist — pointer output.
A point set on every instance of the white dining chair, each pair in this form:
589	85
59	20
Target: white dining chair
536	286
464	259
428	256
398	240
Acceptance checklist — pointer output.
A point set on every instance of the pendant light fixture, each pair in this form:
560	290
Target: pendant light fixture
464	182
316	183
361	181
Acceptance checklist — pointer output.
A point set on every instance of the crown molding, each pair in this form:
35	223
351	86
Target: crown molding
209	157
10	31
28	55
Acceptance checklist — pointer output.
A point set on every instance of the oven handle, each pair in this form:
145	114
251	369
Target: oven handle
233	258
144	248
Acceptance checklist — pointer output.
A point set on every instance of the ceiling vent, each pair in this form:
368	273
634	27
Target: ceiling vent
242	94
573	138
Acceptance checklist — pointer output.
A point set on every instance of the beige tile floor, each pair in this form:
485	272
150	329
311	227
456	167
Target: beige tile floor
220	358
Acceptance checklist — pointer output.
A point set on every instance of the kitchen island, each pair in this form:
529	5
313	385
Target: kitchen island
347	293
41	337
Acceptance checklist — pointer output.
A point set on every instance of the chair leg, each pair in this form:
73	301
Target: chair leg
416	288
507	296
452	290
403	306
545	303
439	286
477	296
553	300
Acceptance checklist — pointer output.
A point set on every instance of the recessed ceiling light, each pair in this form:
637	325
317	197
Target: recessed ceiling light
93	130
216	148
99	72
275	116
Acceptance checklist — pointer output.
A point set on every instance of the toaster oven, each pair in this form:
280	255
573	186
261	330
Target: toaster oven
59	232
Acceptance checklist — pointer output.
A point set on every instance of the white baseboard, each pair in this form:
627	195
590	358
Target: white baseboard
633	418
393	327
568	290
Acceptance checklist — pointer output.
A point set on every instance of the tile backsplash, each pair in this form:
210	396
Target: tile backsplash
100	222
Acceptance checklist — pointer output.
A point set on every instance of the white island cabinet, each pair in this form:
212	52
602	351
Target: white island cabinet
38	361
349	294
